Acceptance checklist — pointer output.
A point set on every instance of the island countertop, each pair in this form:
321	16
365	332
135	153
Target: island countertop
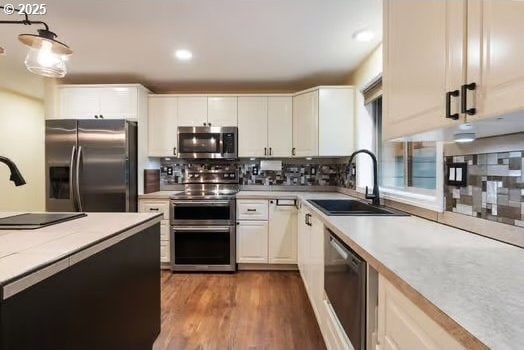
29	256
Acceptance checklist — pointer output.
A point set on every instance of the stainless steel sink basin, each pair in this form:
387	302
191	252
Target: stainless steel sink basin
350	207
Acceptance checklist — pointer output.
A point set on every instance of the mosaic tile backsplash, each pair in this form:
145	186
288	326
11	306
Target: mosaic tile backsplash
495	187
295	172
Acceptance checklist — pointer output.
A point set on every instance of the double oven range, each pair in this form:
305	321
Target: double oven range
203	220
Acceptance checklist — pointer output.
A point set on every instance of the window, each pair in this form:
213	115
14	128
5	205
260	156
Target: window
405	168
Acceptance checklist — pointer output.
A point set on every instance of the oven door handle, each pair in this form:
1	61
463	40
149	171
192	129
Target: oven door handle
202	203
201	228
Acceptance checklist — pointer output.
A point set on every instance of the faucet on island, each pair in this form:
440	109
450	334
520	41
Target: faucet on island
375	196
16	176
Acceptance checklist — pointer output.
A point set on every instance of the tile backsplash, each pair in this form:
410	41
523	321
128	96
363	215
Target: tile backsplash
495	187
295	172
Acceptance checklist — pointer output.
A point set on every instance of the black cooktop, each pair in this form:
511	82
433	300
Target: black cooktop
30	221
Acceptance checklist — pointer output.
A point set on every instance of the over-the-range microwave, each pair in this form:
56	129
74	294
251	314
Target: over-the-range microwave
207	142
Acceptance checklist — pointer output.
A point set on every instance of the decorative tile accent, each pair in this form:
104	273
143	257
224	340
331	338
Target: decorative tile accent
295	172
495	188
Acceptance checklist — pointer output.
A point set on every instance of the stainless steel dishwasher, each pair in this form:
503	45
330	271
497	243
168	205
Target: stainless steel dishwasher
345	286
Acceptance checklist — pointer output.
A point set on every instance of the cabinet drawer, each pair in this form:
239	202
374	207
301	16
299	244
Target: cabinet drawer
165	255
161	207
164	230
252	210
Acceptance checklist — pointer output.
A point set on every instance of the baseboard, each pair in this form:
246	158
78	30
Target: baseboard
267	267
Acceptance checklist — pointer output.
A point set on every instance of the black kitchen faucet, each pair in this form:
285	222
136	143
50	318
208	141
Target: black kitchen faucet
375	196
16	176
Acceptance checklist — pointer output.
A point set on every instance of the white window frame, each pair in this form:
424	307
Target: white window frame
427	199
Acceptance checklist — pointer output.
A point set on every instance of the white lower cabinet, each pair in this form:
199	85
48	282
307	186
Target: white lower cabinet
403	326
282	232
162	207
266	231
252	242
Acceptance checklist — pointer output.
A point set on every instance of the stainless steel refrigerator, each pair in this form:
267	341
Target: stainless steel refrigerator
91	165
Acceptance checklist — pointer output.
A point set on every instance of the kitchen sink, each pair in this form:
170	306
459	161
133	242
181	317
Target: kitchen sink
350	207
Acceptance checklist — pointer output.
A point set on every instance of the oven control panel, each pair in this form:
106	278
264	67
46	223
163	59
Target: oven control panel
212	175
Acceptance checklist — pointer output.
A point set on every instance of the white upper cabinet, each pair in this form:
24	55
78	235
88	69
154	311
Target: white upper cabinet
495	52
282	232
118	102
163	123
280	126
88	102
192	110
323	122
305	124
423	59
77	103
437	74
222	111
336	122
252	126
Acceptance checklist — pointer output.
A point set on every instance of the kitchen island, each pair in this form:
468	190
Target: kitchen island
89	283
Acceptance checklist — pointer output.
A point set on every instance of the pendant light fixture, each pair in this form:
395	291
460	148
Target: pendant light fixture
47	56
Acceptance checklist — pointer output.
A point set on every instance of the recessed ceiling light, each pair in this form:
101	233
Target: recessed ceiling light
364	35
183	55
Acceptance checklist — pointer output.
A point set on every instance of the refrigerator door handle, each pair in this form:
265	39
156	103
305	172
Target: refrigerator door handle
71	177
77	179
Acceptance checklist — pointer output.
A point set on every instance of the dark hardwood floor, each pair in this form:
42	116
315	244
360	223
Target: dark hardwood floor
246	310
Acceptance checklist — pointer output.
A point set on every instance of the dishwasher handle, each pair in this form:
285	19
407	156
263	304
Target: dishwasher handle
352	260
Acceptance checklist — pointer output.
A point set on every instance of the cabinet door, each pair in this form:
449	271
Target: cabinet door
222	111
305	124
280	126
252	126
192	111
495	51
162	126
118	102
336	122
423	59
282	232
252	242
402	325
301	233
78	103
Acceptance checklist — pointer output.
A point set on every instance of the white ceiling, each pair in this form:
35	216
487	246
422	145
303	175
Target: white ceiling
236	44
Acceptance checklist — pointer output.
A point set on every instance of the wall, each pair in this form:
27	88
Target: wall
22	140
367	71
495	179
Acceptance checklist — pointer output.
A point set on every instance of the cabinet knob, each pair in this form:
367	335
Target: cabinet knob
208	124
293	151
96	116
174	151
265	151
270	151
101	116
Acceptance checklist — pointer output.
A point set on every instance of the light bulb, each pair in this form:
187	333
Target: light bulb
43	61
46	57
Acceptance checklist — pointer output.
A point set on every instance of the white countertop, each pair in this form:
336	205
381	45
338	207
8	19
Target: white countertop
476	281
24	252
